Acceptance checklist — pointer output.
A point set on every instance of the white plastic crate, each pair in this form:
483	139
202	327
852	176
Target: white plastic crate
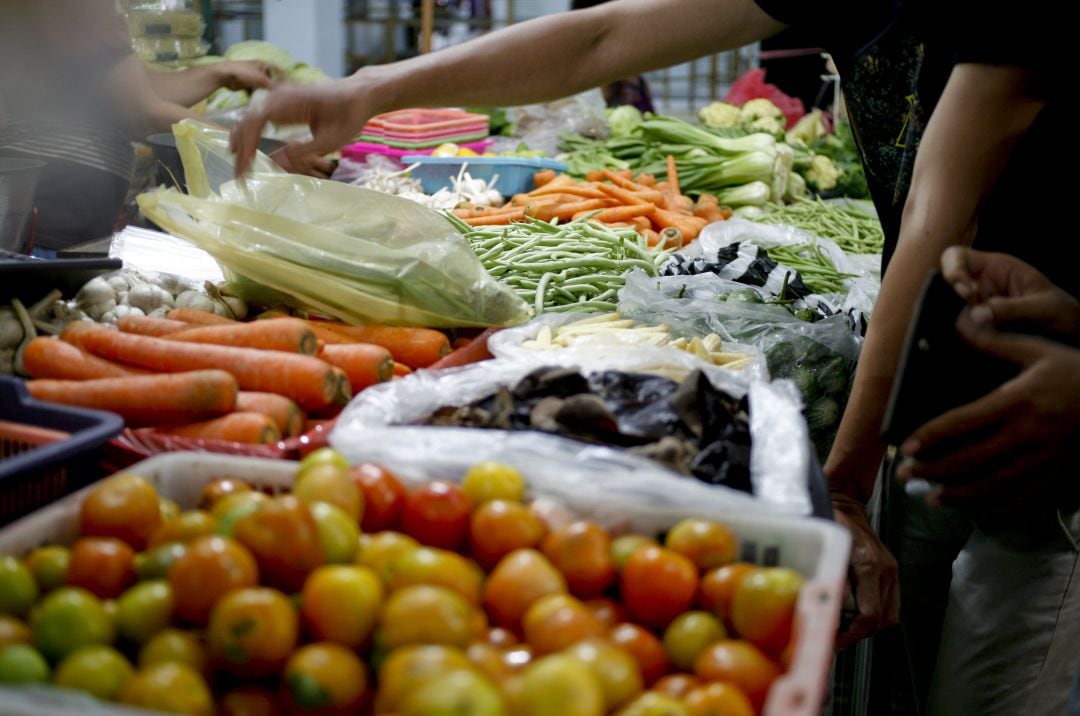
816	548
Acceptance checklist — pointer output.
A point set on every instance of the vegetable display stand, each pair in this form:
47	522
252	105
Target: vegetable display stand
46	450
815	548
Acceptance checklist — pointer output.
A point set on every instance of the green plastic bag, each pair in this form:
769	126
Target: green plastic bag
358	255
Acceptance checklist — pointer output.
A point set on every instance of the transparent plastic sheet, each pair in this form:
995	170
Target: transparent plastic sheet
820	357
358	255
608	352
862	290
380	426
539	125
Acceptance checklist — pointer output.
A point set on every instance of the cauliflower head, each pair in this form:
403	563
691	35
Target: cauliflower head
760	108
823	174
720	115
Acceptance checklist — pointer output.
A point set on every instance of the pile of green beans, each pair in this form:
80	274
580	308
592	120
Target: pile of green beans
854	231
817	270
578	266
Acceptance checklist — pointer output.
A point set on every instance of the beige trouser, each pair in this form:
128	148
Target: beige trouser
1010	642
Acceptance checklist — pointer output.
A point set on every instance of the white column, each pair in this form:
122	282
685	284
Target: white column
312	30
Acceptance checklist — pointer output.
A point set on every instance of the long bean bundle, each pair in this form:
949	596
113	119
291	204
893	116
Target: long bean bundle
578	266
853	230
817	270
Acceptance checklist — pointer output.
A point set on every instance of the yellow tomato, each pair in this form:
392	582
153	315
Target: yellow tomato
424	614
341	604
410	667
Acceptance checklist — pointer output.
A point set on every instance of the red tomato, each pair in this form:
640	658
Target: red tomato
520	578
384	497
282	534
209	569
437	514
607	611
498	527
658	585
740	663
646	649
122	506
718	585
582	552
676	685
555	621
104	566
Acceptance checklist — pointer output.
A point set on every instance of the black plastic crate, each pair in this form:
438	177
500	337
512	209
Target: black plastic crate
46	450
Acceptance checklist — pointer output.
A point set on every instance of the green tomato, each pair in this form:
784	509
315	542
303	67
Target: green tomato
18	590
155	563
457	692
323	456
338	533
22	664
689	635
49	566
98	670
68	618
144	610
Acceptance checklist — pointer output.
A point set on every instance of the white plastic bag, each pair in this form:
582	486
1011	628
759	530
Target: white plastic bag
605	352
380	426
539	125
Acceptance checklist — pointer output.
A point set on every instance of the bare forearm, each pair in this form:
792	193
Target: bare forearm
187	87
971	135
562	54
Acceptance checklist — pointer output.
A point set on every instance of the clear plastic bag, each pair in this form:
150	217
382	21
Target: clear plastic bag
358	255
539	125
379	426
818	357
862	289
605	352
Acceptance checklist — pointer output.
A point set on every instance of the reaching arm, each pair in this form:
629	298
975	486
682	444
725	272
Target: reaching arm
534	61
971	135
195	84
982	113
146	112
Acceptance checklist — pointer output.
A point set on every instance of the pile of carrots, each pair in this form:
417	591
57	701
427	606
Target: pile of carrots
199	375
616	198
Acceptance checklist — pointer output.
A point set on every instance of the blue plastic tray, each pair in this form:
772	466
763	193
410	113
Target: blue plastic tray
46	450
515	174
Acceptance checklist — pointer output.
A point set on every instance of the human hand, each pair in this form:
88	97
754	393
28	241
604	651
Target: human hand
335	111
873	570
245	74
1006	290
1013	449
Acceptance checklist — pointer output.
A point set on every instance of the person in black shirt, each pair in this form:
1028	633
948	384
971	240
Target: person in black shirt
954	107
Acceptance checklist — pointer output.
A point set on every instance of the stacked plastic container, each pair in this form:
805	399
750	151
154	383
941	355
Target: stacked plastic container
166	32
419	131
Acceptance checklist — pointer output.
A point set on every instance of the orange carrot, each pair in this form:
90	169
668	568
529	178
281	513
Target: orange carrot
278	334
50	358
476	351
629	198
622	179
496	219
253	428
690	226
594	175
641	223
415	347
147	399
673	174
624	213
652	237
579	191
364	363
198	317
319	328
544	176
646	180
564	212
285	413
150	325
306	379
401	369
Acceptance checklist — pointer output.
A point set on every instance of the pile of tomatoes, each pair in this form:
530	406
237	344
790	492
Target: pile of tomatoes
354	595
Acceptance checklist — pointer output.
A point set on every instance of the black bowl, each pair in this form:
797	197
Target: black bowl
170	170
